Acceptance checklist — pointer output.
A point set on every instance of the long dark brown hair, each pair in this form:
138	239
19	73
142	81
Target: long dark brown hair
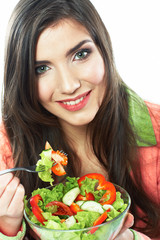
29	125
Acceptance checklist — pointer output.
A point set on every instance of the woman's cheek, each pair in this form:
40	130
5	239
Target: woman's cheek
45	91
96	72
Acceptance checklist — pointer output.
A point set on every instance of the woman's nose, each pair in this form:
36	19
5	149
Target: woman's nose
68	81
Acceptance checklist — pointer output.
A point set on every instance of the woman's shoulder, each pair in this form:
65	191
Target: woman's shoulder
150	156
3	135
154	109
5	149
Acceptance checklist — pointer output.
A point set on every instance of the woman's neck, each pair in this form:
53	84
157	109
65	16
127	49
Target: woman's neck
80	141
75	134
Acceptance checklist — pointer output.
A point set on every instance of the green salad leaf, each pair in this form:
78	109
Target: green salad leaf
87	218
46	162
70	183
89	185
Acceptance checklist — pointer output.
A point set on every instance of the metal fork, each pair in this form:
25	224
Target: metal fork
27	169
63	152
32	169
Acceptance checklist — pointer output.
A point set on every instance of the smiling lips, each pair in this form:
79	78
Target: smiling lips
76	103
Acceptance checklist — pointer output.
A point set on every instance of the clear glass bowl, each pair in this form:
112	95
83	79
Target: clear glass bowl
107	230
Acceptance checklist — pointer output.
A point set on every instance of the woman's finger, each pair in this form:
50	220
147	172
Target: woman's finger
4	181
17	204
8	194
128	223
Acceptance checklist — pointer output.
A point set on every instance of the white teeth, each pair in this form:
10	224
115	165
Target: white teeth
74	102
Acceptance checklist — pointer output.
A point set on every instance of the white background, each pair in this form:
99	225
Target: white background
134	27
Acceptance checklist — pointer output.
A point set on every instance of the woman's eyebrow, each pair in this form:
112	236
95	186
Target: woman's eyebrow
41	62
72	50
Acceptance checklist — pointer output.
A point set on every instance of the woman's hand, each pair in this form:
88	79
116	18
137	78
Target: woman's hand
125	233
11	204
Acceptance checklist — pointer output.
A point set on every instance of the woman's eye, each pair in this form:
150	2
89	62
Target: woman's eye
41	69
82	54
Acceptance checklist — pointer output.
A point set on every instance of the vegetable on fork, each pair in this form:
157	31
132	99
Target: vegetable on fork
59	158
53	161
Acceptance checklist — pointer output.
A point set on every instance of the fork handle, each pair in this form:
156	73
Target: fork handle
10	170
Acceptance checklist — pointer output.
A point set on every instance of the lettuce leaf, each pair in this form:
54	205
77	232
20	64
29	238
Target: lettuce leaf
70	183
46	162
49	195
89	185
118	207
87	218
119	202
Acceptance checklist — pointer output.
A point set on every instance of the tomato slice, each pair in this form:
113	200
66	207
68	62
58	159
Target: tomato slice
47	146
58	169
63	220
59	157
62	208
75	208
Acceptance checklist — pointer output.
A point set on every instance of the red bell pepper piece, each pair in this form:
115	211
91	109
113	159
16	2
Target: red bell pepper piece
97	176
62	208
37	211
110	191
35	199
75	208
38	214
98	221
103	185
87	197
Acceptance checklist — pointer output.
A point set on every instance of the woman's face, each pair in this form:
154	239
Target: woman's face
70	72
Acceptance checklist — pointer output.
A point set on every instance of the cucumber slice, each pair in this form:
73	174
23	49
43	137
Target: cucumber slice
107	206
79	203
70	196
92	206
70	221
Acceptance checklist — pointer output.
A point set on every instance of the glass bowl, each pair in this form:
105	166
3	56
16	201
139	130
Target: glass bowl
107	230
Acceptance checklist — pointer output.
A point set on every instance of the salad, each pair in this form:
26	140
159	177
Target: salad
78	203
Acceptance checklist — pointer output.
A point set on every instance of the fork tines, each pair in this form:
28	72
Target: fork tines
41	167
63	152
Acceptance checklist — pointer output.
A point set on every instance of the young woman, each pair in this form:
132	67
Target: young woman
61	86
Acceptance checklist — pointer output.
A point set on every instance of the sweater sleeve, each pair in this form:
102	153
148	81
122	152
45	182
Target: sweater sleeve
20	235
150	158
6	161
139	236
150	163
